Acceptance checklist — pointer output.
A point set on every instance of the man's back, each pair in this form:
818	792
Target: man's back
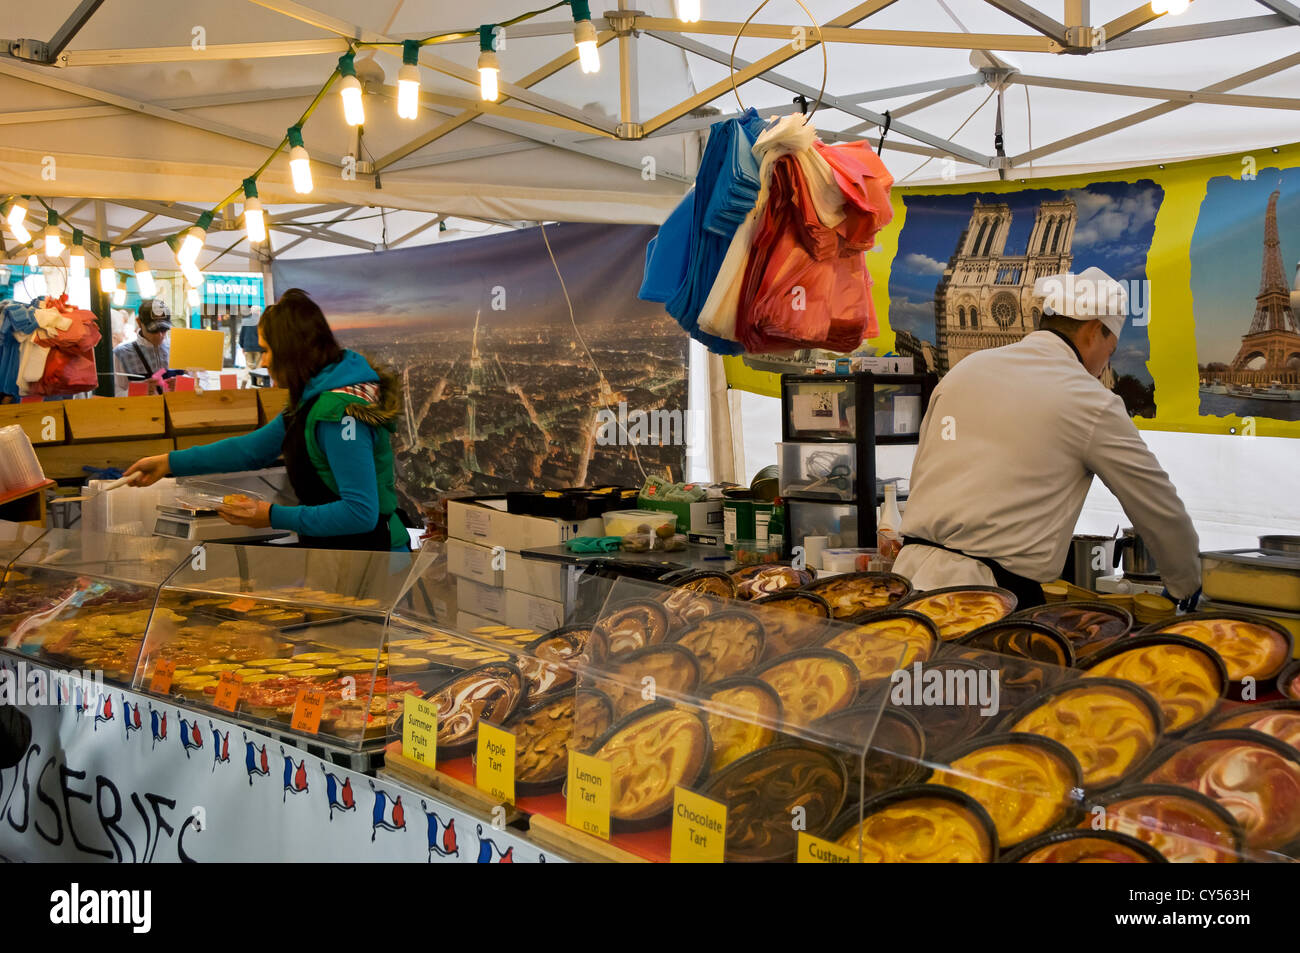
1000	470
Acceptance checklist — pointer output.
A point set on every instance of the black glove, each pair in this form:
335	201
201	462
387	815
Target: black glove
1184	605
15	735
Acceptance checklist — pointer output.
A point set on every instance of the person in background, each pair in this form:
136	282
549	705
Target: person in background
335	434
140	359
1009	446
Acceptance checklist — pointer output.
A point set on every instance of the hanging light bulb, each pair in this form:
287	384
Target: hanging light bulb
299	162
584	34
15	212
688	11
1172	7
193	241
53	241
143	276
354	113
33	262
77	256
107	273
192	296
488	67
119	296
254	217
192	274
408	81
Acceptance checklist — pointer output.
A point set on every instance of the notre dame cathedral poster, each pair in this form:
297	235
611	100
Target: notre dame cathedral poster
963	277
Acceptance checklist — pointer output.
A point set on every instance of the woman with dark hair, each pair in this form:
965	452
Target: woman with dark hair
335	435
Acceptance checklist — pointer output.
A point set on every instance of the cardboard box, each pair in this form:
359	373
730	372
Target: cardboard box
486	523
536	577
114	418
486	601
702	517
883	365
471	561
533	612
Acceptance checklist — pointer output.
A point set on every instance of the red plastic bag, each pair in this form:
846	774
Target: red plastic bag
70	367
805	285
865	182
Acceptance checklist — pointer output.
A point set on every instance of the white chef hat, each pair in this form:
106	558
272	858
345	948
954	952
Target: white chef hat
1085	296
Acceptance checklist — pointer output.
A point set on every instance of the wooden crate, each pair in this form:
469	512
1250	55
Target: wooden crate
185	441
26	506
65	461
191	412
43	422
270	401
115	418
465	796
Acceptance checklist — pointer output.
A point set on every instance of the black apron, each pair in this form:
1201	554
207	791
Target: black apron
1028	593
312	491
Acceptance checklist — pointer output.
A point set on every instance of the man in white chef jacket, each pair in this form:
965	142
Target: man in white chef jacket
1009	446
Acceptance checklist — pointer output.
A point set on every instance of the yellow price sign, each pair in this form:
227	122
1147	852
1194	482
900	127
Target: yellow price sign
587	800
420	730
494	771
815	850
699	829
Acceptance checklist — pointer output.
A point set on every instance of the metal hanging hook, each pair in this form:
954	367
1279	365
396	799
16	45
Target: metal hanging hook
808	113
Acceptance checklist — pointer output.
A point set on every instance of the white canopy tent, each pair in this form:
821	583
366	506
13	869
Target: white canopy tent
133	119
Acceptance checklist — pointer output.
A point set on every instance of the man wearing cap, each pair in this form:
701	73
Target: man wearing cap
140	359
1009	446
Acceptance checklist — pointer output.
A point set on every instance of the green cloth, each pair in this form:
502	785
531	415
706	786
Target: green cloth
594	544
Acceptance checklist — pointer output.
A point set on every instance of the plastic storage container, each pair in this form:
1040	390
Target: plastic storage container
200	495
622	522
1252	577
818	471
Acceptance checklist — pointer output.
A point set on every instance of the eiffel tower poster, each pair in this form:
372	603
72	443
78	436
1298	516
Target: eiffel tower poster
1249	333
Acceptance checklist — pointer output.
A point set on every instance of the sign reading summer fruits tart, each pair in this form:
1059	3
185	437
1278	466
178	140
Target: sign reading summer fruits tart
699	829
814	850
228	687
494	771
589	789
420	730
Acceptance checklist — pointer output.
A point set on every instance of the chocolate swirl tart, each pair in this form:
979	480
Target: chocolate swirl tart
650	754
1280	720
943	696
1186	827
1110	725
1255	776
542	737
570	643
919	824
630	627
879	748
593	713
726	644
959	610
812	683
1187	677
762	789
1288	680
856	593
687	606
791	620
706	582
1028	784
1250	645
742	712
491	692
755	582
1090	626
881	642
673	669
1084	847
1028	640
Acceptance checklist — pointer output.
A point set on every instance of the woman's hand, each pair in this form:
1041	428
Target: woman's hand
254	513
151	469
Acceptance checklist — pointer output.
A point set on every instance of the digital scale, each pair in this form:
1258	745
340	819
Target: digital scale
204	526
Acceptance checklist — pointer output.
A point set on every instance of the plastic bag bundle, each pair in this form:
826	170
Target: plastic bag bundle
793	274
70	365
683	259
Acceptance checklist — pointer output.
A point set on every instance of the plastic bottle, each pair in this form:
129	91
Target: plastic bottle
889	536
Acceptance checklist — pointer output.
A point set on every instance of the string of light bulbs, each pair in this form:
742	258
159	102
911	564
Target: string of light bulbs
187	244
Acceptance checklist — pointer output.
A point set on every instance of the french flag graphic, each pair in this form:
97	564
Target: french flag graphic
339	795
220	746
442	834
105	710
295	775
191	736
131	716
388	814
256	762
157	725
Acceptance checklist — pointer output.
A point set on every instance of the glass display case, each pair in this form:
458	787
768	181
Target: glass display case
81	600
283	637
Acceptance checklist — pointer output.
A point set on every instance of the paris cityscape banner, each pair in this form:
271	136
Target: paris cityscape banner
1208	250
502	386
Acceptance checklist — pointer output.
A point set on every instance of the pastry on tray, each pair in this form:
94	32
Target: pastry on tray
650	755
726	644
791	620
960	610
812	683
853	594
